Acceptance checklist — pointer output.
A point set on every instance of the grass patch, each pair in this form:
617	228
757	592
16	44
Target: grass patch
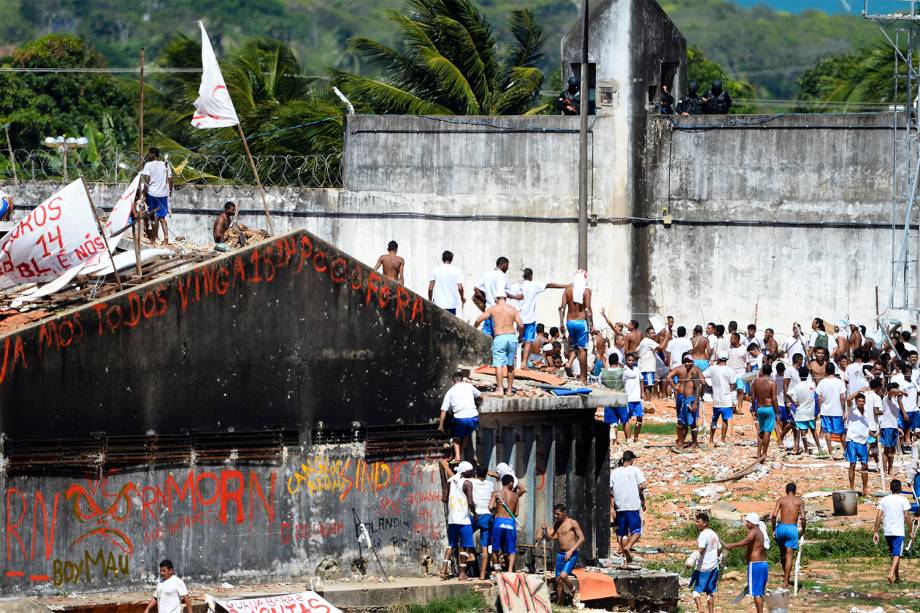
468	603
658	428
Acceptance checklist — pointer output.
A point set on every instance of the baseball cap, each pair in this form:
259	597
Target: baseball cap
722	356
464	466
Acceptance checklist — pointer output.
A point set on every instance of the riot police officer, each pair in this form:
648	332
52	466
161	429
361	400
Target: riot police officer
691	104
717	101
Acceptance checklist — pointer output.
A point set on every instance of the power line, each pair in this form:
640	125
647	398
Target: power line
135	70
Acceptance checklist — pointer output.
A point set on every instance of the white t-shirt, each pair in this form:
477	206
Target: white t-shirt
446	292
829	391
460	400
892	507
624	485
780	382
737	359
482	494
530	289
794	378
647	348
631	383
857	426
793	346
723	385
708	540
169	595
492	283
745	341
677	348
890	412
158	172
910	388
855	378
803	395
458	507
873	402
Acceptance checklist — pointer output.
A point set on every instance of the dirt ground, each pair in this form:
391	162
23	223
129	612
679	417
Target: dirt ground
680	484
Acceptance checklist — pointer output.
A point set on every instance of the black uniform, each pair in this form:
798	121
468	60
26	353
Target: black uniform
718	102
569	101
691	104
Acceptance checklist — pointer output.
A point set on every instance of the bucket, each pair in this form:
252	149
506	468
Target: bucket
845	502
777	601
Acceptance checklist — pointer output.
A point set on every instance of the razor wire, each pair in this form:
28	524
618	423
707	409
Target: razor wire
188	168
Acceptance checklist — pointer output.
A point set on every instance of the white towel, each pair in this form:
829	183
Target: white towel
754	518
580	283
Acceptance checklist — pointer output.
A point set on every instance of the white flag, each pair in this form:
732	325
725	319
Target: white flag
120	218
57	235
213	108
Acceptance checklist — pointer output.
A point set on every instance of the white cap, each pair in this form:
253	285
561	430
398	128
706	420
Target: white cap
463	467
752	517
722	356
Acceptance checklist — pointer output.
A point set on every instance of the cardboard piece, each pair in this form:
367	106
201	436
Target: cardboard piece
530	375
303	602
594	586
522	593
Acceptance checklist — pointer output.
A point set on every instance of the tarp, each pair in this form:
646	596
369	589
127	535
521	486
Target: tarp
303	602
213	108
120	218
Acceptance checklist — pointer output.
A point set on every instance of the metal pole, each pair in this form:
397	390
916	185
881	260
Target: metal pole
9	145
268	216
64	149
105	241
135	227
583	145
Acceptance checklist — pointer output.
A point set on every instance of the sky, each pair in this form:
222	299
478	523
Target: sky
829	6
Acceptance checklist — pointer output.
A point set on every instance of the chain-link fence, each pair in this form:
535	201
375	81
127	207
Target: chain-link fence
188	168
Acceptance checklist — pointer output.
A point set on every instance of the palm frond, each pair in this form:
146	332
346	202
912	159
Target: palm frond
453	81
386	98
520	93
528	39
458	46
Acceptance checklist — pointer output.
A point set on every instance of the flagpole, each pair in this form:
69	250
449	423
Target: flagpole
268	216
105	241
135	228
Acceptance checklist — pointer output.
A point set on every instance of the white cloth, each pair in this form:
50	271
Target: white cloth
460	400
579	285
754	518
708	543
857	426
723	385
482	495
446	293
829	391
632	379
213	108
493	283
169	595
803	395
624	485
502	469
647	348
678	347
910	388
890	413
458	507
530	290
892	507
159	173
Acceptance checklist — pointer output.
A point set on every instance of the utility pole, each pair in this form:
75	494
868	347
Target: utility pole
584	96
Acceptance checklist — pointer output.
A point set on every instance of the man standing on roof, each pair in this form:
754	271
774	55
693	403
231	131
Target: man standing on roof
392	266
490	285
530	289
575	317
157	186
445	288
506	326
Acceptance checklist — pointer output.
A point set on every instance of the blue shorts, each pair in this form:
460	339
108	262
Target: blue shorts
817	405
914	417
725	412
854	452
705	581
158	206
635	410
742	386
483	523
686	415
504	347
701	364
530	332
487	327
784	415
895	545
758	573
578	333
805	425
616	415
787	536
598	366
832	424
565	566
460	535
504	535
463	427
766	419
628	522
648	378
889	437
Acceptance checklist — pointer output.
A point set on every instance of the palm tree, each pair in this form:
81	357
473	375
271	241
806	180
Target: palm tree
863	80
448	64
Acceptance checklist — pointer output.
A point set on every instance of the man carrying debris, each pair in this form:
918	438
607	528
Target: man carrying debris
460	506
763	395
627	497
391	265
462	401
893	513
575	317
222	224
171	592
504	529
789	510
506	325
705	577
483	489
757	542
570	537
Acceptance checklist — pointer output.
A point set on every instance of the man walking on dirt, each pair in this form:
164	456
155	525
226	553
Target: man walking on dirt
570	537
763	393
689	390
788	511
756	543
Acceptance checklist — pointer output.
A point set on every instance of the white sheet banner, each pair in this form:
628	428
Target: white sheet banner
304	602
213	108
57	235
120	216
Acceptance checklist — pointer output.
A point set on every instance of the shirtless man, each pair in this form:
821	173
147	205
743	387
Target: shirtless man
856	338
633	336
700	350
818	366
757	542
392	265
505	340
788	512
763	393
600	351
769	342
575	317
222	223
504	504
570	537
688	391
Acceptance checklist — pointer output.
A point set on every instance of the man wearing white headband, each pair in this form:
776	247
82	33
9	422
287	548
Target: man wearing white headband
757	542
576	301
460	507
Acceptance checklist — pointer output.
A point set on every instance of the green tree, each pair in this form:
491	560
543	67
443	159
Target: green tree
704	72
37	105
850	82
447	63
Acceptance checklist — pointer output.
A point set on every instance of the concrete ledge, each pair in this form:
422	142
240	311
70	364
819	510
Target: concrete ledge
380	596
598	398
